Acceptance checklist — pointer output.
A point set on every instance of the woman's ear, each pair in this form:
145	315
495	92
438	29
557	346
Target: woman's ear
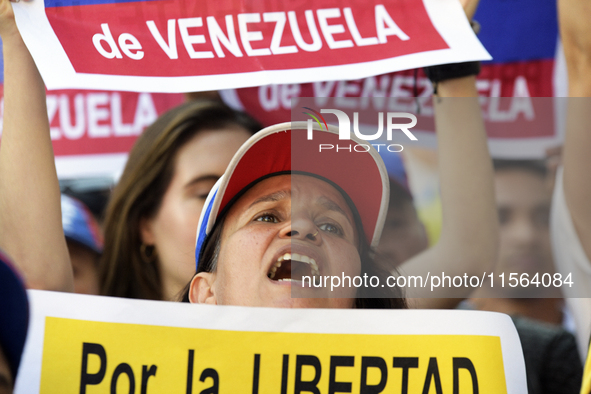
201	289
146	232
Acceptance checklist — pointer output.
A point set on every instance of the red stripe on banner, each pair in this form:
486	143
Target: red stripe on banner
532	78
87	122
94	122
505	118
263	39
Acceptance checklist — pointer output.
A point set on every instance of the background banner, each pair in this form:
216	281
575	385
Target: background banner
517	127
522	38
176	46
520	35
94	344
93	131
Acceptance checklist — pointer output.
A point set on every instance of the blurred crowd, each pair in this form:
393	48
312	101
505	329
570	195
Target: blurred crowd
135	238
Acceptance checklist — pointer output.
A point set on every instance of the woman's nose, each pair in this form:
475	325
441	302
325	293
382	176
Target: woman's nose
301	229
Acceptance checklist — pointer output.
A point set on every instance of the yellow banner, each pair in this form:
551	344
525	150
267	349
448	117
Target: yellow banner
96	357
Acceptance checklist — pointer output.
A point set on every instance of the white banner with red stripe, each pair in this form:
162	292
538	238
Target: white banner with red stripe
176	46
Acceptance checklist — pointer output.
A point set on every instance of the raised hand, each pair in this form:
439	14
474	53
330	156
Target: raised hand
7	22
30	214
470	7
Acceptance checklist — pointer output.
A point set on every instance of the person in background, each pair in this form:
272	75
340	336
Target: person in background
523	203
152	215
404	235
14	322
85	244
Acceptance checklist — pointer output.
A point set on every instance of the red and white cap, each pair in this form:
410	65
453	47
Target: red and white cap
351	164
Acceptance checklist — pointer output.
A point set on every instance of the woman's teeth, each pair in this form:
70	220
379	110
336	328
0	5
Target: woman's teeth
291	257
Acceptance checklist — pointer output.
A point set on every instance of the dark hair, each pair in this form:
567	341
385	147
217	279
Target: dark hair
537	167
398	194
376	298
138	195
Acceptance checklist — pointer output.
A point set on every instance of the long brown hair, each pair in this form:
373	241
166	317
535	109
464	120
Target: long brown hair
139	193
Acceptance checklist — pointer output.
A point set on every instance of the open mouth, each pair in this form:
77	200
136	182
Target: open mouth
292	267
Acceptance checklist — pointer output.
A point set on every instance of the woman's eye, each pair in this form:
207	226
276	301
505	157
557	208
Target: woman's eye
199	192
330	228
267	218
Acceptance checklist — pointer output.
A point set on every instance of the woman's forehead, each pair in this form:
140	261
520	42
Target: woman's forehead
298	187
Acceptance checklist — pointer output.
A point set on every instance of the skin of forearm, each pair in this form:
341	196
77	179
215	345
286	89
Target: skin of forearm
30	214
469	237
575	33
470	222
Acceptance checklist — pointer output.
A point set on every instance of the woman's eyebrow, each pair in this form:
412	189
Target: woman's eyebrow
330	205
275	196
209	177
